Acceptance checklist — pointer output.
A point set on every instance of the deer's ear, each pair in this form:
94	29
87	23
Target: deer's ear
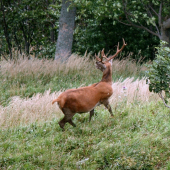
100	66
111	61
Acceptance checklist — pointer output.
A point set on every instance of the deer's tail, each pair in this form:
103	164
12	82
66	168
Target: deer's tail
55	100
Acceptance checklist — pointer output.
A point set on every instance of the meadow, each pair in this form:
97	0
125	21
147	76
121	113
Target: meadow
137	137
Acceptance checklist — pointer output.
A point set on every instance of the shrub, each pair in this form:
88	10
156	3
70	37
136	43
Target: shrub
159	73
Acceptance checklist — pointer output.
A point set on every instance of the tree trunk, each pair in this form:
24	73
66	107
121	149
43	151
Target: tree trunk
66	29
165	31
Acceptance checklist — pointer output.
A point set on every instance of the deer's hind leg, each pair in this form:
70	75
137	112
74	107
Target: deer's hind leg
107	105
67	118
72	123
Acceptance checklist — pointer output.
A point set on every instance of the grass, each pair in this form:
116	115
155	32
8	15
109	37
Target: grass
25	78
137	137
38	108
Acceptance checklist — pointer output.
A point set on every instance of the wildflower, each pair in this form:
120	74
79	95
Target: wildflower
124	88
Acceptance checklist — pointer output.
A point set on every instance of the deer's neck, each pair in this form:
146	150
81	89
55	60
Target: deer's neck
107	74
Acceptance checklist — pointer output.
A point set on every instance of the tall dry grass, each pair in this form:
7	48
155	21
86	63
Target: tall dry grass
21	112
39	67
130	91
127	67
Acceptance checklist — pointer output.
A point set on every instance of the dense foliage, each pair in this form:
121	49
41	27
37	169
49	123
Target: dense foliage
159	73
94	36
149	15
32	26
25	24
141	23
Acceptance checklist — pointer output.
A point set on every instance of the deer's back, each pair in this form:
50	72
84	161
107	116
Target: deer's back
83	99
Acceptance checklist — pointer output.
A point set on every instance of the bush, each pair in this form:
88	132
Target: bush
159	73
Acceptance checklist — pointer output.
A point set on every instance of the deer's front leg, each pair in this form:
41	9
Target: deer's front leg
91	114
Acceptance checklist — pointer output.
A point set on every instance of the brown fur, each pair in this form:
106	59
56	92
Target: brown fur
85	99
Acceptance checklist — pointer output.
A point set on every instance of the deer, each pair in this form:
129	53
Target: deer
85	99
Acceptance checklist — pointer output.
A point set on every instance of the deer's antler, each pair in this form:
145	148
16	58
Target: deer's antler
97	58
102	56
108	59
118	51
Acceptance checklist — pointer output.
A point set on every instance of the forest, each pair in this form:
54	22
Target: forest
31	27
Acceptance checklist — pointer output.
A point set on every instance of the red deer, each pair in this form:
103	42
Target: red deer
85	99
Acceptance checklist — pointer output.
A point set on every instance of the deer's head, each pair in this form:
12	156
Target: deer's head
102	65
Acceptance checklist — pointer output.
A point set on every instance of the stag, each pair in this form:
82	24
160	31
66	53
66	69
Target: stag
85	99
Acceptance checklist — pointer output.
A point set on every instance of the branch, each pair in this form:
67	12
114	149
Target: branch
160	95
157	30
153	10
123	22
135	25
4	57
16	40
160	15
150	14
141	26
23	31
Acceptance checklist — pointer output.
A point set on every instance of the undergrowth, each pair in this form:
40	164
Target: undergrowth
137	137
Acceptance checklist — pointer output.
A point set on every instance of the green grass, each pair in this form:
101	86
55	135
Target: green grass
136	138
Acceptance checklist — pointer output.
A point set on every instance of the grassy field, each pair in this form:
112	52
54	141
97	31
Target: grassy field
137	137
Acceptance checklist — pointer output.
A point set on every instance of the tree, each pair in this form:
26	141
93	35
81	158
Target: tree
94	32
92	36
150	15
66	29
5	29
24	25
155	16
